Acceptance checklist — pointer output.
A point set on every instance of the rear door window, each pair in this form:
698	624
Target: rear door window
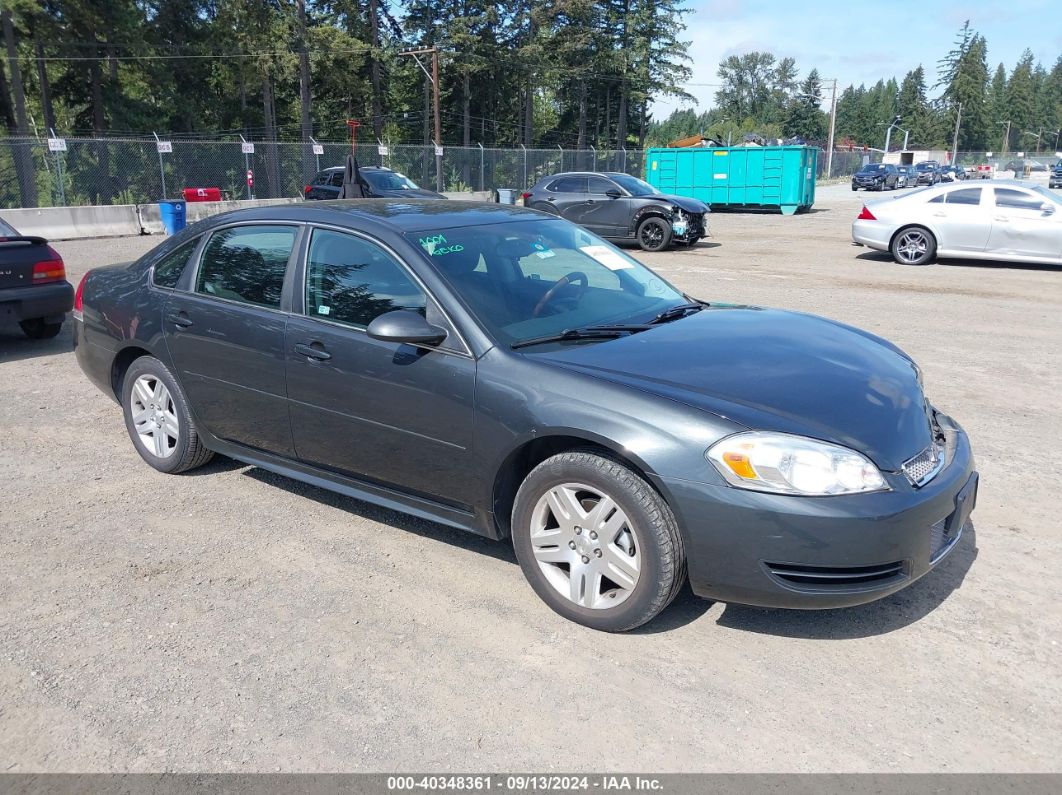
965	196
569	185
167	271
246	264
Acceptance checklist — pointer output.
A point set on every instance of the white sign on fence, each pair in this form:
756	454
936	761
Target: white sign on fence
318	149
988	154
164	147
383	151
56	144
438	151
247	148
1021	154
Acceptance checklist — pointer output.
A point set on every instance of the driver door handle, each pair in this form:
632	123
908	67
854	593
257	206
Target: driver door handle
179	319
313	350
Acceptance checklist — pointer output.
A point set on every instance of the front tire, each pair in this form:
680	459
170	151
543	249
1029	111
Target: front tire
38	329
596	542
158	419
654	234
913	245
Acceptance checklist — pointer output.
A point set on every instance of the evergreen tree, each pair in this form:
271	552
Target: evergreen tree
804	117
1021	100
964	76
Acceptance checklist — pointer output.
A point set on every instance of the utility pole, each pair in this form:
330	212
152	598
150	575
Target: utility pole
955	139
1006	138
833	118
433	76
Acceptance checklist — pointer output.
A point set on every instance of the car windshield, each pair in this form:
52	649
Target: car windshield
530	279
634	186
924	167
389	180
872	167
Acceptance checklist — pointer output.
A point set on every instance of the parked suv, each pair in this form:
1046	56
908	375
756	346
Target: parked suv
33	286
928	172
1055	178
876	176
620	207
383	184
908	177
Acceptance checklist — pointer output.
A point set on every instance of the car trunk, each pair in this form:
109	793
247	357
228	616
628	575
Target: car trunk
18	255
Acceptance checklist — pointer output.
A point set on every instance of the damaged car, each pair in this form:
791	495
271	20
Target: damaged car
621	208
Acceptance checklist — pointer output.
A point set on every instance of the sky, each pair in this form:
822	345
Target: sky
860	42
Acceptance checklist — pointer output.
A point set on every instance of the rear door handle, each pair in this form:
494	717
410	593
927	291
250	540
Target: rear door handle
179	319
311	352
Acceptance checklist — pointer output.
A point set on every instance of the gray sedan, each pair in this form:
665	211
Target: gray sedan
1008	220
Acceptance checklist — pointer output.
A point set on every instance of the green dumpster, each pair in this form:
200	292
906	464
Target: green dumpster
737	176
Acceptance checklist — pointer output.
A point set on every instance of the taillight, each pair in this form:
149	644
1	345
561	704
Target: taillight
866	215
306	189
525	196
79	292
49	270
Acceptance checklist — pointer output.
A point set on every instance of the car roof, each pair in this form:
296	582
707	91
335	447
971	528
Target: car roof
360	168
586	174
399	215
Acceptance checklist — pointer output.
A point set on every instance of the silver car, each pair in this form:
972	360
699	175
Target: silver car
1006	220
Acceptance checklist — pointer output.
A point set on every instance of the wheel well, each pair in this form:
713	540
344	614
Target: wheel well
121	364
904	228
525	458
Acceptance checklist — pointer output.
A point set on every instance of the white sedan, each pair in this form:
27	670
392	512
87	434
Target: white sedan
1005	220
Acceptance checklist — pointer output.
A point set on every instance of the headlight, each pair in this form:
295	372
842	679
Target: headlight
785	464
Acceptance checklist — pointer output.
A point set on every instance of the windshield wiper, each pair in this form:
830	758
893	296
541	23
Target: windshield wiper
676	312
602	332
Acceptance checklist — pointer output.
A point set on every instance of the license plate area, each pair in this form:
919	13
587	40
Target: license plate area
945	533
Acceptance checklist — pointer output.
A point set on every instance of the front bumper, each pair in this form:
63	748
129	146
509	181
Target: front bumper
821	552
696	227
47	301
868	184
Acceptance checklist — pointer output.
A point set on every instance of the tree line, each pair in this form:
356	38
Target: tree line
1001	110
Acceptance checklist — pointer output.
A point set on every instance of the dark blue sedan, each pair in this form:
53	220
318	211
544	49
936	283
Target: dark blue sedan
506	372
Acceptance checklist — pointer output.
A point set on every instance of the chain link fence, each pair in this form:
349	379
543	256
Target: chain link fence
133	171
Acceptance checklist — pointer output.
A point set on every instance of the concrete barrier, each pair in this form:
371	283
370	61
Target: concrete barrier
151	220
119	220
67	223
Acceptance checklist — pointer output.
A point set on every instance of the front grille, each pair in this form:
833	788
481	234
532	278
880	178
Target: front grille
923	467
835	577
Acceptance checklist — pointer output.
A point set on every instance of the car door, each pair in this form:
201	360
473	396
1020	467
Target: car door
568	195
962	222
392	414
1021	227
225	334
608	216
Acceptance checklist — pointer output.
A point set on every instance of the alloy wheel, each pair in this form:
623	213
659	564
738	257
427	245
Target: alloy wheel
154	416
651	235
912	246
585	546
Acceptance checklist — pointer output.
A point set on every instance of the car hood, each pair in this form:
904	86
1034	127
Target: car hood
773	370
685	202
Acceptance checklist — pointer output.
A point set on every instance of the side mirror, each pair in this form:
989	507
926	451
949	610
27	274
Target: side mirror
404	326
613	193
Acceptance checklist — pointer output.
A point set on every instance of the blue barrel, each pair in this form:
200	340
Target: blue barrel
172	216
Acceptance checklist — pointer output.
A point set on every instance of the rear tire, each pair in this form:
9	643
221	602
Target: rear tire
37	329
913	245
158	419
596	542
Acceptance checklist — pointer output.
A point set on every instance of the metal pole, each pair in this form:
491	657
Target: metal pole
162	171
955	139
438	121
592	149
624	168
524	187
246	167
562	156
833	118
906	136
59	173
316	157
481	175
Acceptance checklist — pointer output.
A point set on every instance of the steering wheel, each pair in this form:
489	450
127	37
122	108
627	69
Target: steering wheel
561	283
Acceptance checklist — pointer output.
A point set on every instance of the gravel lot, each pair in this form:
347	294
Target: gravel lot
234	620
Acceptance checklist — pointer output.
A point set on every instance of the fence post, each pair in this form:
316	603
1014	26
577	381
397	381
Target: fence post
162	171
481	175
562	158
316	157
246	166
524	186
59	172
624	167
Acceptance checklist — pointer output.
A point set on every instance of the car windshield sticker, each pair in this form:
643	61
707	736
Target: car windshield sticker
607	257
541	251
323	310
437	245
